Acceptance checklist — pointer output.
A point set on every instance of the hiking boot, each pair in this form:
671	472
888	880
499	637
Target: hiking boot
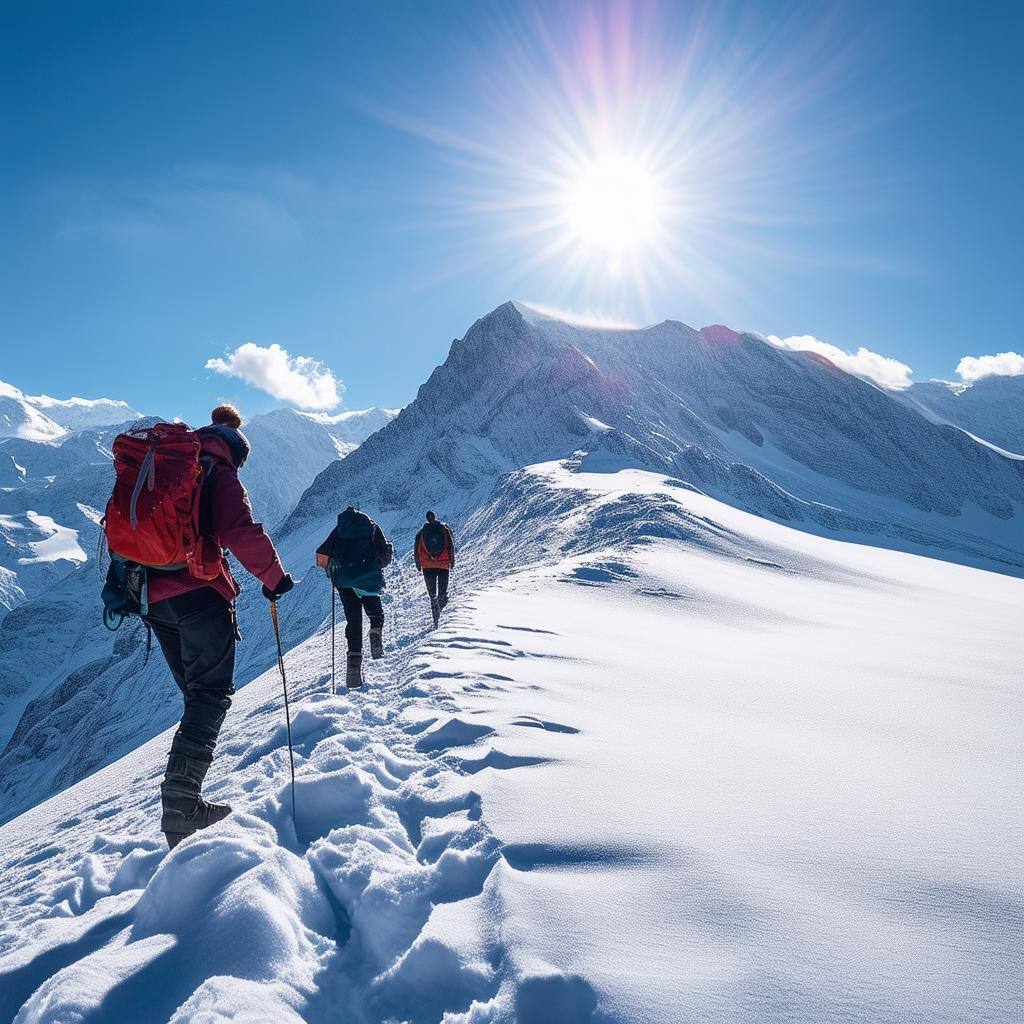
354	670
377	641
442	602
184	811
178	822
435	611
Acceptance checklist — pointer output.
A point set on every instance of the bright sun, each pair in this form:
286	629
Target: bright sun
614	205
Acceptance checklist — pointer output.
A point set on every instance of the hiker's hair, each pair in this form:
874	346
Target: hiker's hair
431	517
228	415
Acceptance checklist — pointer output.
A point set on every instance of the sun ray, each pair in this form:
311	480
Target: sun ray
622	159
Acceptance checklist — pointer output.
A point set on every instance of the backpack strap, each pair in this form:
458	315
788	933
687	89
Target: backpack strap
147	476
205	498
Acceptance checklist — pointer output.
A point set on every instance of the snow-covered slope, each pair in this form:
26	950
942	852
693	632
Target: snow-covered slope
50	489
781	434
353	426
991	408
689	764
42	418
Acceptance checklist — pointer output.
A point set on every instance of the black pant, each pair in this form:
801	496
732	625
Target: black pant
196	631
437	584
353	606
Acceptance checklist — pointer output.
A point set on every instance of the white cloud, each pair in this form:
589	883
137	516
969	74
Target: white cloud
300	380
1005	364
884	370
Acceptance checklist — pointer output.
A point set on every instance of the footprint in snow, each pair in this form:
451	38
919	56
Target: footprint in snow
478	640
452	733
499	760
528	722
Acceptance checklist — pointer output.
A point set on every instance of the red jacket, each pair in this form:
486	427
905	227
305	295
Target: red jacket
231	527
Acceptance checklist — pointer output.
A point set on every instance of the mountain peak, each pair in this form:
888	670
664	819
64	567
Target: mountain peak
19	417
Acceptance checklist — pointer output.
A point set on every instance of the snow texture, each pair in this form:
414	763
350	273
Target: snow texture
694	765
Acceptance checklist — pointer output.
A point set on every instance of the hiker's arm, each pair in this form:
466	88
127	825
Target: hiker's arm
323	553
232	519
385	552
451	542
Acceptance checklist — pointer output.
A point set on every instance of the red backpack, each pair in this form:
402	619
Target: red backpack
153	515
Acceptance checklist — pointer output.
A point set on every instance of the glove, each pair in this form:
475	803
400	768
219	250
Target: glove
286	583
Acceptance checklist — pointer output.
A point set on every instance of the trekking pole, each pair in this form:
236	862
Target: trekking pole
333	645
395	620
287	710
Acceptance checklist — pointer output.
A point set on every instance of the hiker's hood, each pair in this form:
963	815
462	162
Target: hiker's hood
224	442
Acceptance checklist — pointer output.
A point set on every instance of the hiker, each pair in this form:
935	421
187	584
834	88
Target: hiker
354	556
193	618
434	551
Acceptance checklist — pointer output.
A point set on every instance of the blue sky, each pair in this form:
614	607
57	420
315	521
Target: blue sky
359	182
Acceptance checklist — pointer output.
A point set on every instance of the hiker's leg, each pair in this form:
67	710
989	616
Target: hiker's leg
374	610
208	655
164	623
442	586
353	609
206	629
430	579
